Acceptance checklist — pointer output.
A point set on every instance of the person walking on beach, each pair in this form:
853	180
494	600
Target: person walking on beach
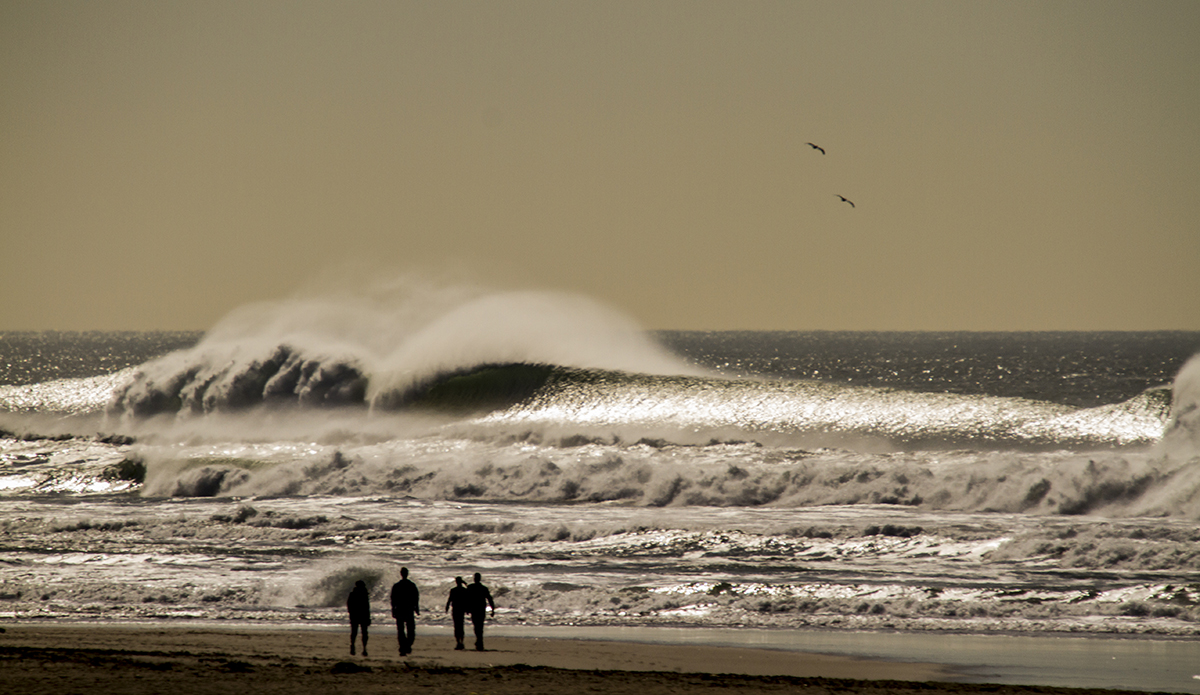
359	606
457	603
406	600
479	598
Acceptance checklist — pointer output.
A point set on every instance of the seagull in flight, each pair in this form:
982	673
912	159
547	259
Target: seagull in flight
816	147
845	200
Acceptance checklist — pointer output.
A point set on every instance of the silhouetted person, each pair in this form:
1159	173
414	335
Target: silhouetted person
405	607
359	606
479	598
458	603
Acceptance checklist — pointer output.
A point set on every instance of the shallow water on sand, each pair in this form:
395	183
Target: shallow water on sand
1078	662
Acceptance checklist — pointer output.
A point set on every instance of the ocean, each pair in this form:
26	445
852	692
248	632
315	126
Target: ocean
599	475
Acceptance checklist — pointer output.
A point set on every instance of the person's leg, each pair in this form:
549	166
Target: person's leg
460	632
364	629
477	620
400	634
412	633
404	625
353	636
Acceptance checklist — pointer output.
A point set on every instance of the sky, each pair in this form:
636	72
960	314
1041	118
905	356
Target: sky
1013	165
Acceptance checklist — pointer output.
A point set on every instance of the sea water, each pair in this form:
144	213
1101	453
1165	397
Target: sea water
598	475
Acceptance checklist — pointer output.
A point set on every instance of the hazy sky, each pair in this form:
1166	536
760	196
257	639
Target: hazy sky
1014	165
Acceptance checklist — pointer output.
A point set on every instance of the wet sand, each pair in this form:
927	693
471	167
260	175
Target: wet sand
183	660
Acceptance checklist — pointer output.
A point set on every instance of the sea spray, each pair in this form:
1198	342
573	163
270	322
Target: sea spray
327	584
330	351
523	328
1182	438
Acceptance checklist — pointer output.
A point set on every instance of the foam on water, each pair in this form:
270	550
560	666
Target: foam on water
867	567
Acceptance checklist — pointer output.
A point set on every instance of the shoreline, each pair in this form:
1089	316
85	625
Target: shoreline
186	659
436	649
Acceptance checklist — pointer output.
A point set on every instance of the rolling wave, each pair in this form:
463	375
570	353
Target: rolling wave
523	397
525	363
209	383
536	432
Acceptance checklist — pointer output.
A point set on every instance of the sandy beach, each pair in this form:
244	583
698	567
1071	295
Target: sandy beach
185	659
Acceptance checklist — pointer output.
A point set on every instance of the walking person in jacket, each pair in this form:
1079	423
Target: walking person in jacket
479	598
406	600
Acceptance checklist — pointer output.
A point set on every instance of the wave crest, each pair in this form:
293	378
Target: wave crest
1181	439
351	350
210	379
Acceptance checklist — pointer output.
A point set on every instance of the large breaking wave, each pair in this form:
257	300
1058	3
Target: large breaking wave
538	397
357	351
552	365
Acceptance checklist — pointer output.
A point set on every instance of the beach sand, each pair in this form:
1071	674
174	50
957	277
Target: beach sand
185	660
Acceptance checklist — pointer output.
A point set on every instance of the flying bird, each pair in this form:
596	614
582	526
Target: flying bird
816	147
845	200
